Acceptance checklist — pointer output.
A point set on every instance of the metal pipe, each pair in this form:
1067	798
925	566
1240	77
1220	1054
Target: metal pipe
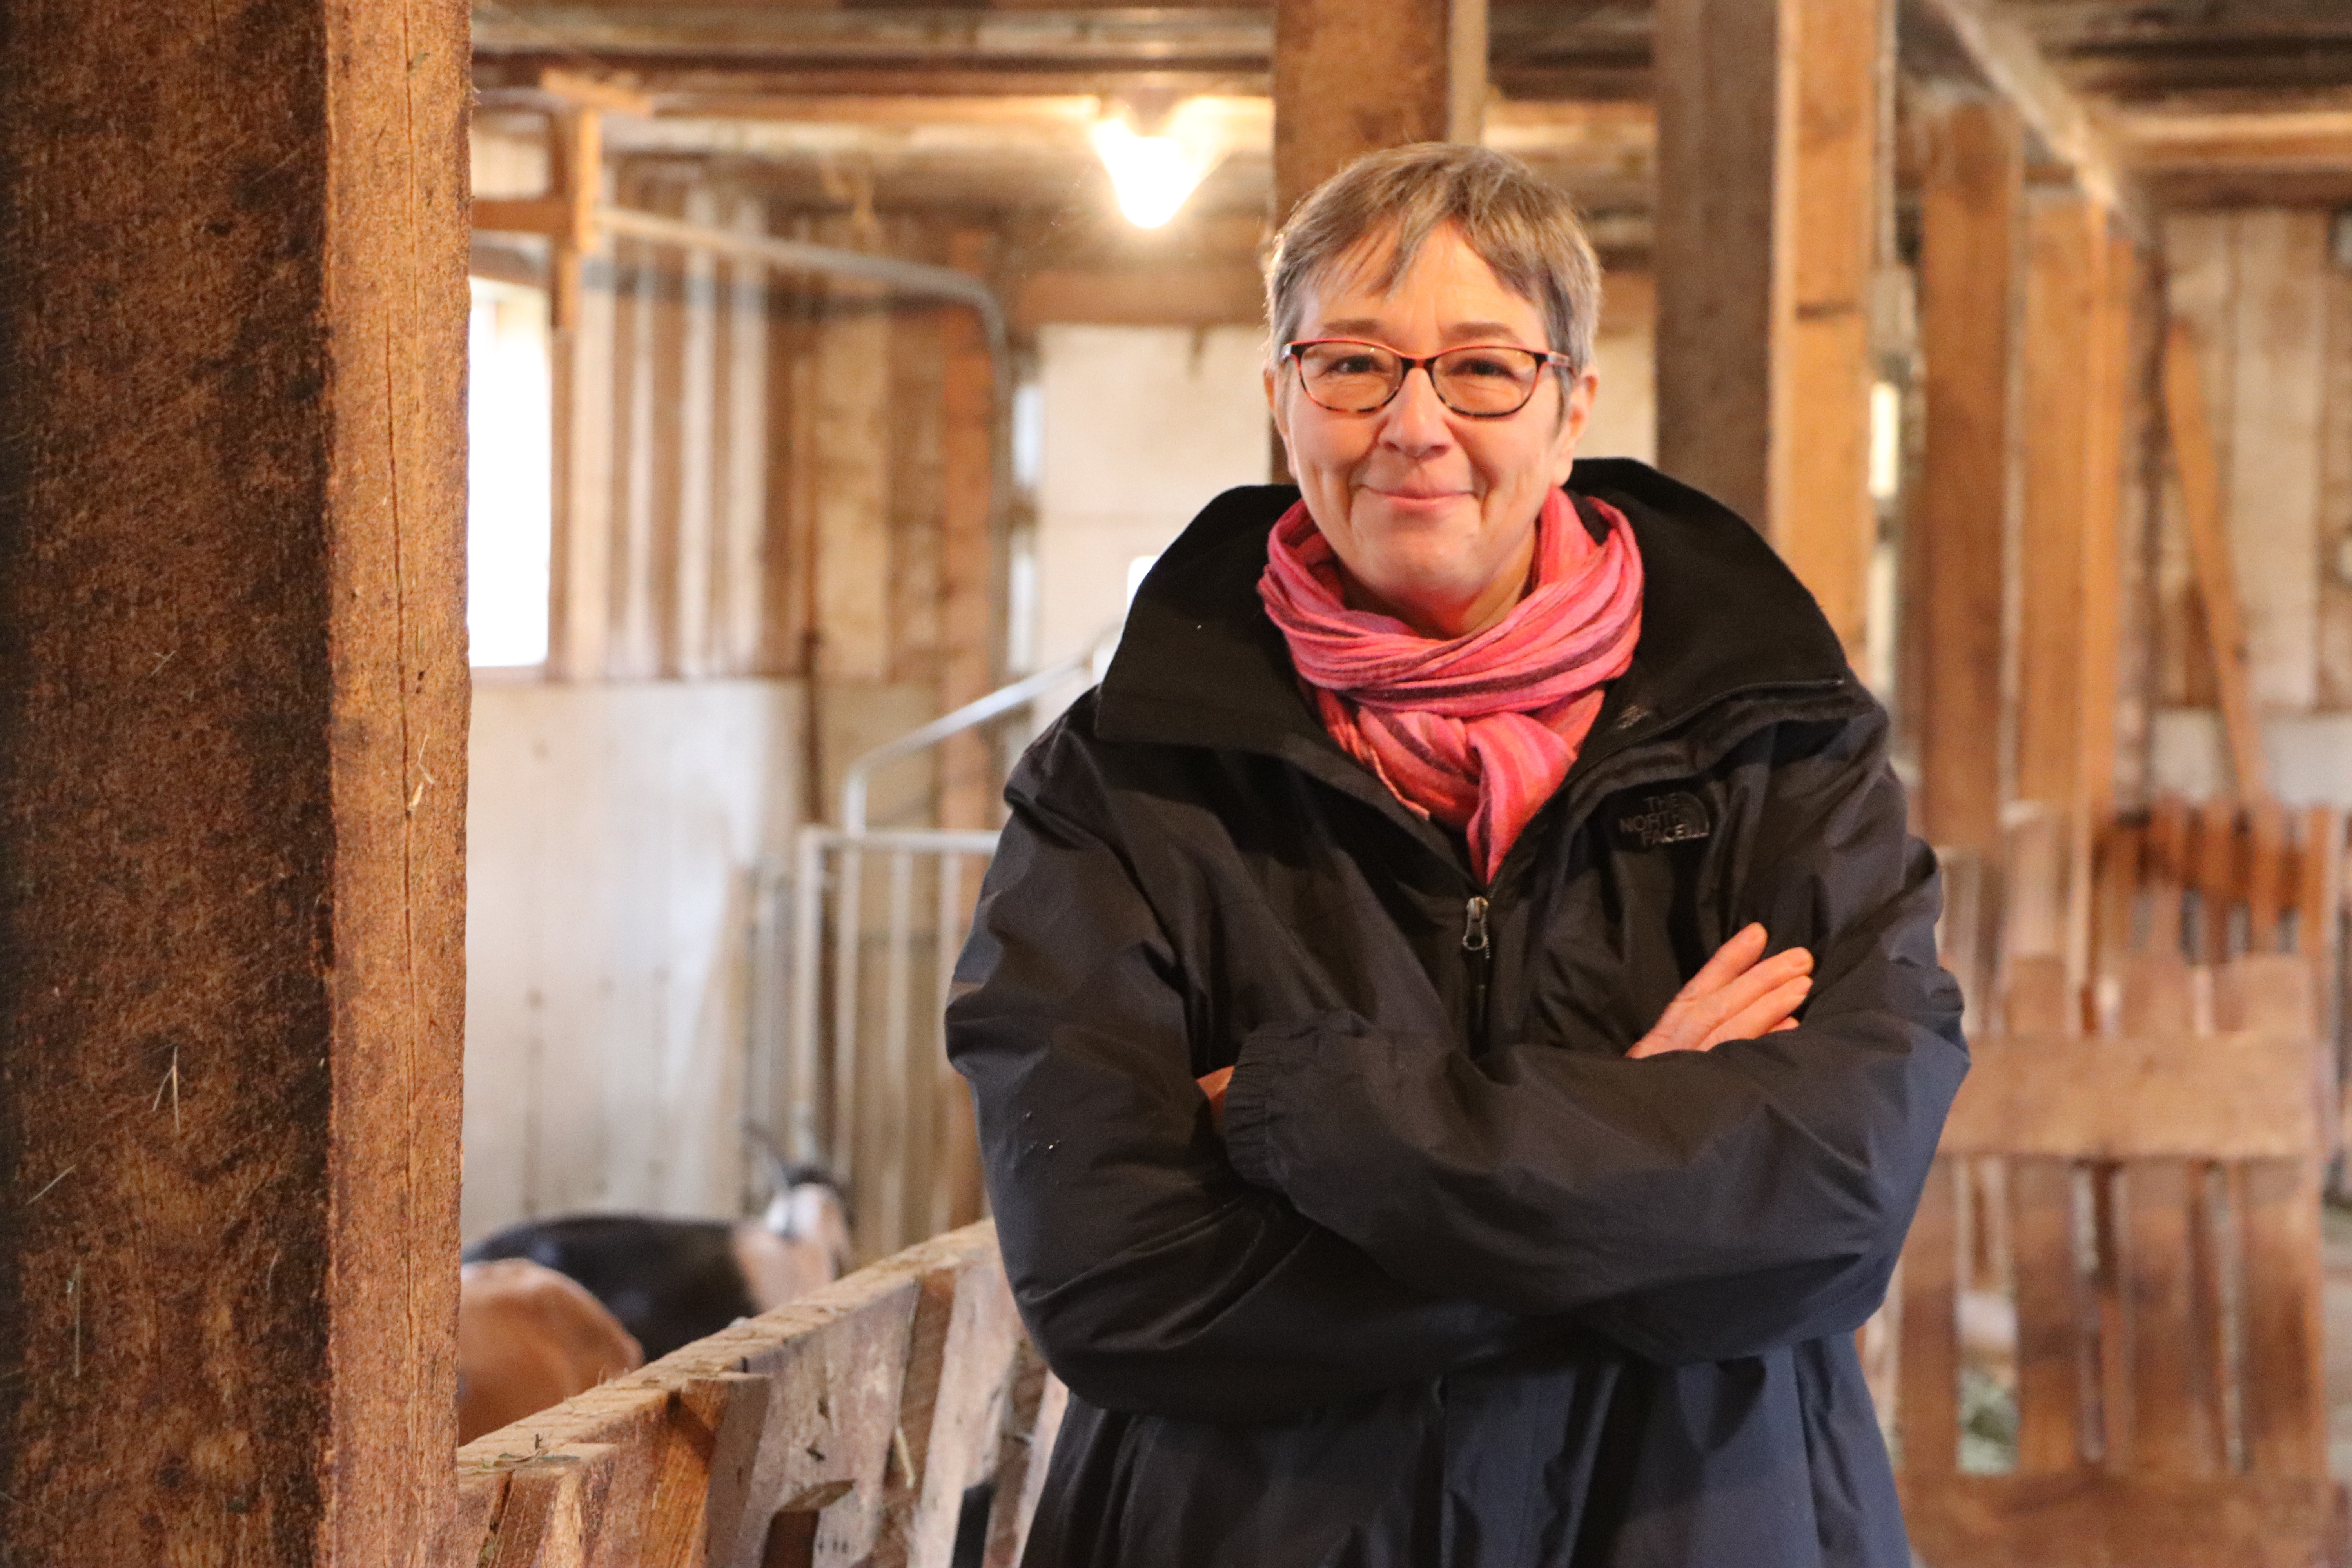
919	278
979	710
807	934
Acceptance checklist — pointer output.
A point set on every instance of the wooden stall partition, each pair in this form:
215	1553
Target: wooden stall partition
844	1428
2110	1299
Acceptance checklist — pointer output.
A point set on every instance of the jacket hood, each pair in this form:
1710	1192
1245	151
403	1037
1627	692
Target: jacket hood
1200	662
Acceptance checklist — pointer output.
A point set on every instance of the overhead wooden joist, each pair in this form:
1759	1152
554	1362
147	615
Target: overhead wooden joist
233	752
1537	49
2004	54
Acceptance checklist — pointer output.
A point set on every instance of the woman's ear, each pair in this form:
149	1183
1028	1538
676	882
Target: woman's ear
1575	415
1274	406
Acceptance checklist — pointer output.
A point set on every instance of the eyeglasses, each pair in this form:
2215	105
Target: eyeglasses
1484	381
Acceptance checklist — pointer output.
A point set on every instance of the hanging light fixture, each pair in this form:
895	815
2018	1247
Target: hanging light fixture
1152	174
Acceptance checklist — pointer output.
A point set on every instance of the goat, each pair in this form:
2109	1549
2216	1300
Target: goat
673	1281
527	1338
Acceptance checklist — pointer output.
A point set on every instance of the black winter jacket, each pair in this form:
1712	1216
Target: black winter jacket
1460	1285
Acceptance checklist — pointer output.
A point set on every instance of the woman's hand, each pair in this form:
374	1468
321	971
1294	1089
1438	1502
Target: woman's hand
1213	1086
1738	996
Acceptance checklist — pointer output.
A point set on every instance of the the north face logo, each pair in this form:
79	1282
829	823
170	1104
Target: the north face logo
1676	818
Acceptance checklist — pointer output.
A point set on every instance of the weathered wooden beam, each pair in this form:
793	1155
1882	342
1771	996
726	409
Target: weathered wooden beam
2076	322
2007	55
1768	117
2188	427
1969	286
1190	293
1351	79
2300	140
233	717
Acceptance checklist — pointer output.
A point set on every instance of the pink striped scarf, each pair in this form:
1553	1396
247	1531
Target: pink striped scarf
1478	731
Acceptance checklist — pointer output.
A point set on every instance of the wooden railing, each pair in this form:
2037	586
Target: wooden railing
2117	1257
844	1428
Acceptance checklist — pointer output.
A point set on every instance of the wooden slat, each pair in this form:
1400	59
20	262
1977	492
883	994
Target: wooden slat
959	1357
2284	1411
2166	873
2040	997
2270	992
2219	875
2108	1400
2237	1097
2319	873
2051	1343
2034	886
2156	993
872	1397
1033	1419
481	1498
1926	1406
2094	1520
2173	1426
554	1509
2116	895
2269	886
1968	283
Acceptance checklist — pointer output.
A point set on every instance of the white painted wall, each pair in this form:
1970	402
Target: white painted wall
2309	755
1625	354
1139	428
611	834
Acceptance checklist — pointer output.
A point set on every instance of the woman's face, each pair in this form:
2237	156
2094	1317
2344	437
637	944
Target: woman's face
1431	513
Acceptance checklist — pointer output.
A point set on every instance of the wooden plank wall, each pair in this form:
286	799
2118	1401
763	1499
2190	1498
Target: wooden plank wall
761	467
2273	308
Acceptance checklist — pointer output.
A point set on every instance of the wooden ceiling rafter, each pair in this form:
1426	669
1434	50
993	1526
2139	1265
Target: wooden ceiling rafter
2005	53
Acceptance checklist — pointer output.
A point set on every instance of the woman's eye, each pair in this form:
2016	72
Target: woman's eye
1355	364
1486	365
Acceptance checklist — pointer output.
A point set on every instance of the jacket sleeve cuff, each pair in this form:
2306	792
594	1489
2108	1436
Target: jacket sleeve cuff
1252	1104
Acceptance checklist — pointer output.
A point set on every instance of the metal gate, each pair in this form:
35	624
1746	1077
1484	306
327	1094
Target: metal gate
854	944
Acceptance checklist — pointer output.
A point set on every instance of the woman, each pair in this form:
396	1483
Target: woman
1401	1139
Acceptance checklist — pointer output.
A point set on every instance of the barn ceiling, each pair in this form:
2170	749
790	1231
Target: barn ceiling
988	103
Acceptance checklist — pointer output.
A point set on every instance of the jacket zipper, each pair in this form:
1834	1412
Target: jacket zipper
1480	946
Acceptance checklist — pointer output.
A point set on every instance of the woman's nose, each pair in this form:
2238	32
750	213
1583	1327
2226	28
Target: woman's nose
1416	418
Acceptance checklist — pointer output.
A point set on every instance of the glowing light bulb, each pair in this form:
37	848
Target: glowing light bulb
1153	176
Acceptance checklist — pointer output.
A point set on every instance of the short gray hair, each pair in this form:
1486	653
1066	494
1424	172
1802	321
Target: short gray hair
1526	230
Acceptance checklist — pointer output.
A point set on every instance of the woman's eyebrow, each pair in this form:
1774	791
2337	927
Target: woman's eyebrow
1482	332
1364	327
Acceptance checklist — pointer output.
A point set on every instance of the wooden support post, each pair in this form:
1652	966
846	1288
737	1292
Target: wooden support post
2193	461
1351	79
968	549
232	711
1768	119
1968	277
2074	388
